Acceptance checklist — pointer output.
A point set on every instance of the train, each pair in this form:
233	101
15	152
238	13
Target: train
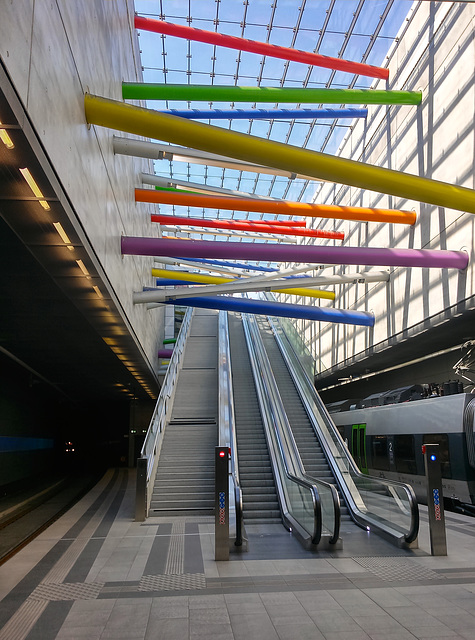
385	433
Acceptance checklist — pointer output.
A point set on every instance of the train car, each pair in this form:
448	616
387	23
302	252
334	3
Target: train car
386	441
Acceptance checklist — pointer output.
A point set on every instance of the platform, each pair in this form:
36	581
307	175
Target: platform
96	574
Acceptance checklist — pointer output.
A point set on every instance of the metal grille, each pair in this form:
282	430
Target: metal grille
67	591
173	582
396	569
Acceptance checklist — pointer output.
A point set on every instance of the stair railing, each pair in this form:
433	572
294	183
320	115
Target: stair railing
227	424
148	461
309	508
386	506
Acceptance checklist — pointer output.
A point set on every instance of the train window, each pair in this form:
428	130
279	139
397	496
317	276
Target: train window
405	454
379	451
442	439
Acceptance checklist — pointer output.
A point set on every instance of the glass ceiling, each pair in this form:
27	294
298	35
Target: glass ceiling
356	30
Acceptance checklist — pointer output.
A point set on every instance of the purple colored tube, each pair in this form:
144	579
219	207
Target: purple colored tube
165	353
261	307
295	253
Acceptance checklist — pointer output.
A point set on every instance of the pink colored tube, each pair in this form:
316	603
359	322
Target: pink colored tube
295	253
262	48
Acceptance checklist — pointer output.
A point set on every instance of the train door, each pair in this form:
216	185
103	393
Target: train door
358	446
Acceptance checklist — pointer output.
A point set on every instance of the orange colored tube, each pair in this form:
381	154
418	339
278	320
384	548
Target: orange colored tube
361	214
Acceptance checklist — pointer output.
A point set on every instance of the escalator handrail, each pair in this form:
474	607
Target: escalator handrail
227	424
310	397
270	400
163	405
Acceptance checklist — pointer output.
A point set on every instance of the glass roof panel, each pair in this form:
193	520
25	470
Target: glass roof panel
359	30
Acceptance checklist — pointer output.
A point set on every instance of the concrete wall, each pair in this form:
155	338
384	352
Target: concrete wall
436	54
54	52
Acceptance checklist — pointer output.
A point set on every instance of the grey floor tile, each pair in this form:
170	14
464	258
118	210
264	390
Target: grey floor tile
206	602
72	633
378	623
299	631
167	629
356	634
391	634
275	597
333	621
213	616
458	621
254	625
175	610
210	630
433	632
243	608
387	597
412	616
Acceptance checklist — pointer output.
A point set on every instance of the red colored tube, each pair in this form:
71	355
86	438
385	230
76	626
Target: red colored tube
281	223
263	48
243	225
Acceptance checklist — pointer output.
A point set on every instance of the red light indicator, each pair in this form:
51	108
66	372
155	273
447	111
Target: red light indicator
222	454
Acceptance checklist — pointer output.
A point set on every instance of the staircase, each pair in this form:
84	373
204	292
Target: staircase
260	503
184	483
185	476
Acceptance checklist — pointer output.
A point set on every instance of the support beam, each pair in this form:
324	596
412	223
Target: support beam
199	265
158	151
266	114
369	256
234	285
159	181
145	122
263	235
241	225
283	207
261	48
285	310
283	95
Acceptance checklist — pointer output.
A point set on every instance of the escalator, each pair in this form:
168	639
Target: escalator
308	445
260	503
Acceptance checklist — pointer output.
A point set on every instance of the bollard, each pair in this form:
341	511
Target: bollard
435	500
141	490
221	504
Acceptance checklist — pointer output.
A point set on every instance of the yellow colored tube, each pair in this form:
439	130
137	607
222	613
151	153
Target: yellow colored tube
203	279
148	123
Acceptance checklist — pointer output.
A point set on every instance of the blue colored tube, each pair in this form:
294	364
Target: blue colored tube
285	310
235	265
266	114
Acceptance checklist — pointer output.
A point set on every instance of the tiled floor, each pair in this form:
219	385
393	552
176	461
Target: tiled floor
97	574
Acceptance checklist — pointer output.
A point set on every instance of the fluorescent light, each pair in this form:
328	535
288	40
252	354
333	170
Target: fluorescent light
98	291
63	235
5	138
34	187
82	266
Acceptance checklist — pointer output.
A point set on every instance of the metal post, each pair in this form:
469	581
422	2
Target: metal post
141	490
435	500
221	504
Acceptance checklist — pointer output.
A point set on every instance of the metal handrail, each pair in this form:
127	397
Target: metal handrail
161	414
227	424
349	477
276	423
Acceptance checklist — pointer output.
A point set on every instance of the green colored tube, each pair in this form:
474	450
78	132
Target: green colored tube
157	188
169	341
207	93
